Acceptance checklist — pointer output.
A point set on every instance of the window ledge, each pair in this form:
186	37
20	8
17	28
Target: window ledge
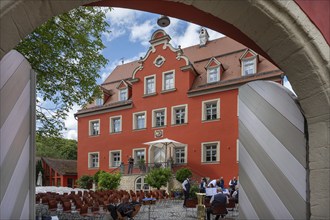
208	163
212	120
139	129
151	94
91	136
93	168
159	127
118	132
175	125
168	90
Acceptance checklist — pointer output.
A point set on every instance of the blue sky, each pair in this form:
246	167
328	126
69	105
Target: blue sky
129	40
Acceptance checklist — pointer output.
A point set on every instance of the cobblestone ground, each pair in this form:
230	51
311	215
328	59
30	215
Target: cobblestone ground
171	210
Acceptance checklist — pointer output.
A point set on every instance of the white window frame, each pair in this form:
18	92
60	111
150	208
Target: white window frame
211	101
254	63
90	160
111	161
173	111
135	155
142	184
98	101
154	119
91	128
185	154
112	127
146	85
209	69
203	150
164	82
135	120
120	92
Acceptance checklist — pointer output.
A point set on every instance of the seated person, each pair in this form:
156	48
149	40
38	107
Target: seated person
216	200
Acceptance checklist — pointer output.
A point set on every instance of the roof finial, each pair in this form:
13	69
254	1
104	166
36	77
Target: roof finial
203	36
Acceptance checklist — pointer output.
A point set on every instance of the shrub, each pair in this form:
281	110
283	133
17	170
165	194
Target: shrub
158	177
193	190
85	182
183	174
96	176
108	180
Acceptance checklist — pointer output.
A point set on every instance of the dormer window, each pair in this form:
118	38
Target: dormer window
249	66
99	101
123	94
213	70
249	62
213	74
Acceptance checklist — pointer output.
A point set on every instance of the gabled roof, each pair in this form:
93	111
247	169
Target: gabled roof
61	166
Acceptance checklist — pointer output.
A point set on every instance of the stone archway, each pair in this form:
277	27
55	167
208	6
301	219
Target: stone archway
279	30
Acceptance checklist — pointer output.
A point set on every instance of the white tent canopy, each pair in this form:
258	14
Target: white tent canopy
164	143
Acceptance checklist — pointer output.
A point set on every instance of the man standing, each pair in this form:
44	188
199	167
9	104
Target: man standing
217	199
232	184
186	190
130	164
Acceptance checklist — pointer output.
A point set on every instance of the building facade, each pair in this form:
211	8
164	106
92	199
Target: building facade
188	95
59	172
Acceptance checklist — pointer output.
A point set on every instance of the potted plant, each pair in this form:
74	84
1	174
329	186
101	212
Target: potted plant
192	200
142	165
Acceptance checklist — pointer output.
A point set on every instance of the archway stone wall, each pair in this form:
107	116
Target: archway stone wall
280	28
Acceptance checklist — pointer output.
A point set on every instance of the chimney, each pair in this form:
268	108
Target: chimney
203	37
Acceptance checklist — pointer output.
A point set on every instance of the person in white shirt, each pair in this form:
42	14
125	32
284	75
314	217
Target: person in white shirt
186	190
212	183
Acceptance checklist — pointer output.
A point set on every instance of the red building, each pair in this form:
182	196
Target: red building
189	95
59	172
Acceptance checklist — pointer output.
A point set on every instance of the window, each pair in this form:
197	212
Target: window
114	157
150	86
211	110
248	66
139	120
168	80
180	155
179	114
123	94
93	160
94	127
99	101
159	117
141	185
211	152
139	154
213	74
115	124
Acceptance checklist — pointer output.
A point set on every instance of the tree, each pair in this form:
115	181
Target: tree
183	174
108	180
158	177
66	54
85	182
56	147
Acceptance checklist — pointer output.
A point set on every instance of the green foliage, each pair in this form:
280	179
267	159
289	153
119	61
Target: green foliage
183	174
108	180
193	190
66	53
96	176
85	182
158	177
56	147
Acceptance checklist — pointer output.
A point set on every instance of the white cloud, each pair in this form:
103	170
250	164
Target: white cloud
287	84
142	32
71	124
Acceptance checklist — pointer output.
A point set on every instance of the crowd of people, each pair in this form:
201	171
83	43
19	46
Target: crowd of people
221	195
